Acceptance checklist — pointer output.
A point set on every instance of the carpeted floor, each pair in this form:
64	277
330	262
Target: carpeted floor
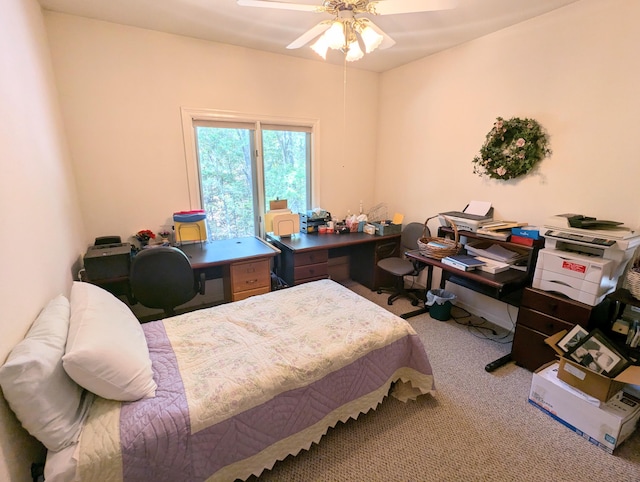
478	426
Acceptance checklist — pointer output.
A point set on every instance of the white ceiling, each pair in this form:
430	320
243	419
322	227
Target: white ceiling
417	34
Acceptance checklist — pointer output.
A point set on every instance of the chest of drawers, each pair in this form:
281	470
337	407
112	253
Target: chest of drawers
542	314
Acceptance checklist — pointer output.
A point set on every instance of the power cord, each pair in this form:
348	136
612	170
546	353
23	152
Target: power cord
475	328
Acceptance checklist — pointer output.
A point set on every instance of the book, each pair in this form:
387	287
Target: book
502	225
492	266
494	234
463	262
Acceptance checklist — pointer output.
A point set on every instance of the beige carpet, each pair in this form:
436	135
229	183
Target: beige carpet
478	426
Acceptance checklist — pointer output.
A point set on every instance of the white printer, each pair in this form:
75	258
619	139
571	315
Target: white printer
583	258
475	215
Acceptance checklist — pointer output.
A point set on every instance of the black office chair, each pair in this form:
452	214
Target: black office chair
399	266
162	277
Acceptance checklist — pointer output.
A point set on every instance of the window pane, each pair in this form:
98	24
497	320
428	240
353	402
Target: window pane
286	167
226	181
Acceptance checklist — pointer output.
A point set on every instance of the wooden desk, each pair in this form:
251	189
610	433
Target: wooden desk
305	257
494	285
506	286
244	264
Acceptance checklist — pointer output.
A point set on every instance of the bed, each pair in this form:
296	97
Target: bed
239	386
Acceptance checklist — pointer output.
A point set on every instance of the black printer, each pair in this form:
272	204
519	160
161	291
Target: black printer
107	261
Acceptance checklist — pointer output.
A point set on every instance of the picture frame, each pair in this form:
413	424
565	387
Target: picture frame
597	353
572	339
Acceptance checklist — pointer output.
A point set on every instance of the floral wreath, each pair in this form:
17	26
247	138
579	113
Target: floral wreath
511	149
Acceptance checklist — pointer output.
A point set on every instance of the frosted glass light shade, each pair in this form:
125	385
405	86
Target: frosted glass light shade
354	53
371	39
320	46
335	35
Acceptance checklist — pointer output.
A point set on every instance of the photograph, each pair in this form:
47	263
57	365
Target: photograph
597	353
572	339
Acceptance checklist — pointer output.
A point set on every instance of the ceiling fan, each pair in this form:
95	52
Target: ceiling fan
347	30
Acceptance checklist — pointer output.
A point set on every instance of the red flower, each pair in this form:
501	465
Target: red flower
145	235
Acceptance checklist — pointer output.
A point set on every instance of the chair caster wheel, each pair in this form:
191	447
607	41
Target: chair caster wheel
379	292
389	302
414	303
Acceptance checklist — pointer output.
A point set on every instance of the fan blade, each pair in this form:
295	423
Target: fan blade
280	5
309	35
391	7
386	40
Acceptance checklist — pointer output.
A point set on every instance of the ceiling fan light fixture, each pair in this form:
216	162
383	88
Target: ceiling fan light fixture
354	52
370	38
321	46
335	35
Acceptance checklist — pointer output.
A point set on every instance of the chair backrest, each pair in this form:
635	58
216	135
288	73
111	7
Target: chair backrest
411	233
162	277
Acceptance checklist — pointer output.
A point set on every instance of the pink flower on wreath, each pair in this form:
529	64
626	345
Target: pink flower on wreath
520	142
501	171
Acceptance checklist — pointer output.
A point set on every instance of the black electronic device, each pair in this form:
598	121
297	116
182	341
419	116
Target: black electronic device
107	240
107	261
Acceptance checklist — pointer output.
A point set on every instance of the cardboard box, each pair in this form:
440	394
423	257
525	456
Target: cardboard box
588	381
606	425
278	204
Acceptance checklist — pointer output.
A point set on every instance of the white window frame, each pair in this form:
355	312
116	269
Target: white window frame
191	156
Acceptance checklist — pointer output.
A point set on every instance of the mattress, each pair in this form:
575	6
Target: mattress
245	384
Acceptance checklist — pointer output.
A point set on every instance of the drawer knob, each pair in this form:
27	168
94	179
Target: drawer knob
252	281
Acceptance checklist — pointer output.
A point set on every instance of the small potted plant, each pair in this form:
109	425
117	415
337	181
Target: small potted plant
143	236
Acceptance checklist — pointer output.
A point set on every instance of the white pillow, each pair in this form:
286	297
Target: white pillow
46	401
106	351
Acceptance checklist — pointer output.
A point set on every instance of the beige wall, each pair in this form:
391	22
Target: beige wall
38	202
122	89
576	70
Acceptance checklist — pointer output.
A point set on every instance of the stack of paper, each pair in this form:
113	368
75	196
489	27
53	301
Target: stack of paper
492	266
463	262
499	229
496	252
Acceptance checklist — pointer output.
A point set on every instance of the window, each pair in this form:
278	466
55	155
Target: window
236	166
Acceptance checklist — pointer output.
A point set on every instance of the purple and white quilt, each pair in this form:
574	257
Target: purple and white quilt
245	384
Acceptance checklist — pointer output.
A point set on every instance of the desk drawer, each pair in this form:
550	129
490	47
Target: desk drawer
241	295
550	304
315	271
529	349
250	276
310	257
540	322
